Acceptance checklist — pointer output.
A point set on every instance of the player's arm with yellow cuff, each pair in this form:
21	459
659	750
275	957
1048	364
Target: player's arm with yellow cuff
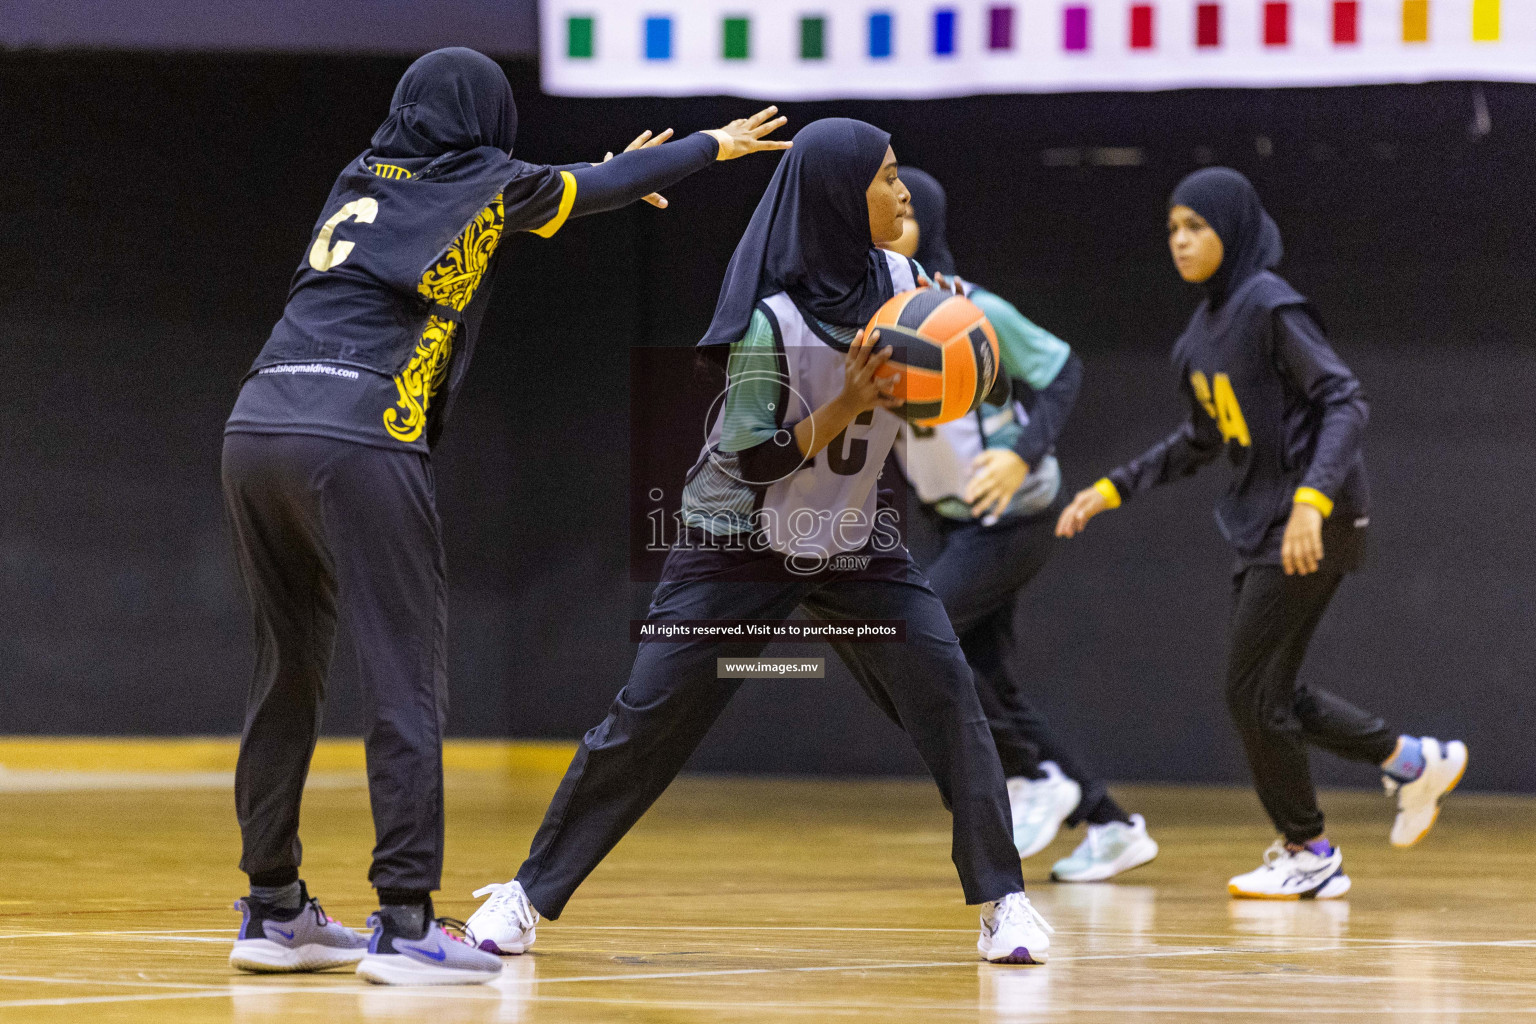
1316	498
1108	491
580	190
1312	368
1196	442
647	166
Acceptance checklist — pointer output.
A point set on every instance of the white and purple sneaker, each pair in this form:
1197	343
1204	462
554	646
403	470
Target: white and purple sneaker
437	958
1293	875
1013	932
272	940
504	923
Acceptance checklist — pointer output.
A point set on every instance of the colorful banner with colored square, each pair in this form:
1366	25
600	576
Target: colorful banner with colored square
822	49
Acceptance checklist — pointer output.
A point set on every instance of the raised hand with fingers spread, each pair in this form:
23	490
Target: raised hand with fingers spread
748	135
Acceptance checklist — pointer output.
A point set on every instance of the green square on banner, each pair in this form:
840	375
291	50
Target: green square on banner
578	37
813	33
737	38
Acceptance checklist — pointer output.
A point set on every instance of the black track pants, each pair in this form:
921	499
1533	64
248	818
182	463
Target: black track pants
1277	715
322	525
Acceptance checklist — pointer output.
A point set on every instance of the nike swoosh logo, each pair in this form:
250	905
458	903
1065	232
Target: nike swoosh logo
286	935
439	954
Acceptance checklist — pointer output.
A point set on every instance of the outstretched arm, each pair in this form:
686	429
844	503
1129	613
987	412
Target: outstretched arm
1195	443
636	174
647	166
1180	454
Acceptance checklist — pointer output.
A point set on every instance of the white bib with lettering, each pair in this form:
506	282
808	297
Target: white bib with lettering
827	506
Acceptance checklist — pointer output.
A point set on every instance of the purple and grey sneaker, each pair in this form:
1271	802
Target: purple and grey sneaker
278	940
437	958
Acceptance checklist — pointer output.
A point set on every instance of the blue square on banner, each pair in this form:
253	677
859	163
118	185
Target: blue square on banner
880	35
658	38
944	31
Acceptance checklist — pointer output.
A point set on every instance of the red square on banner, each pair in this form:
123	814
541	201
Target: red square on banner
1277	24
1141	26
1346	22
1207	25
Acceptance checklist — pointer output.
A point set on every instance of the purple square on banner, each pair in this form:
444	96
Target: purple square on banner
1075	28
1000	28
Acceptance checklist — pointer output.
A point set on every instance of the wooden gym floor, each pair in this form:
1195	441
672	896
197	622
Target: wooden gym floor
754	901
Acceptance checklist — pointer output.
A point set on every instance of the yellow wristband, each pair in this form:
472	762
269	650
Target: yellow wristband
1108	491
1317	499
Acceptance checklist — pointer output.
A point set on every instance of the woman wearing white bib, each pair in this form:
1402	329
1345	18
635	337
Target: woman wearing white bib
989	488
782	513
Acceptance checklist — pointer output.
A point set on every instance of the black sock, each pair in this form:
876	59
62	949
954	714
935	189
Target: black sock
1106	811
282	898
406	911
275	877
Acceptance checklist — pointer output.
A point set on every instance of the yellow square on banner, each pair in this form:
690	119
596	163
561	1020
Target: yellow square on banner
1415	21
1485	21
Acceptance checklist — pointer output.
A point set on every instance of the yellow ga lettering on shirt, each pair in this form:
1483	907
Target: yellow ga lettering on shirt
1220	402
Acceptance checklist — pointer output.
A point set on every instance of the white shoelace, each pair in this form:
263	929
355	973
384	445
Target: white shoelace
1276	852
504	894
1017	904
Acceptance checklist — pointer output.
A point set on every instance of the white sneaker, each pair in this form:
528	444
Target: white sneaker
1039	806
1293	875
1418	802
1013	932
504	923
1106	851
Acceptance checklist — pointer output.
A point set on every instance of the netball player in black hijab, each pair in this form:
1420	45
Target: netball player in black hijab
781	513
1266	389
989	490
328	485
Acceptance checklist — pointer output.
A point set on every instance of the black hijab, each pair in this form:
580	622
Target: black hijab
810	234
930	207
1250	239
449	101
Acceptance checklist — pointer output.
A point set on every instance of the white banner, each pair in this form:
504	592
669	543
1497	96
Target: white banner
825	49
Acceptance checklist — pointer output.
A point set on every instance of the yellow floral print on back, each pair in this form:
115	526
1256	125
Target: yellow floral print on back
452	283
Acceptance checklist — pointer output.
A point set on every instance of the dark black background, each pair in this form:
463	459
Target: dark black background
154	208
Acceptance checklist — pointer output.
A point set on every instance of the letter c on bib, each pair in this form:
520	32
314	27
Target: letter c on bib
322	255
